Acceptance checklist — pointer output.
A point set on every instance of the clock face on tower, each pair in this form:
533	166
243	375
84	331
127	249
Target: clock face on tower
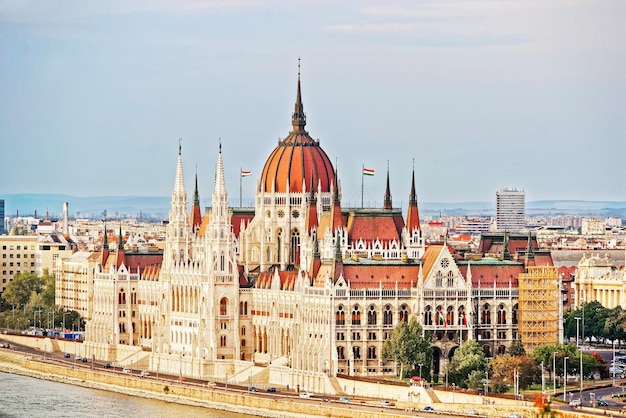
445	263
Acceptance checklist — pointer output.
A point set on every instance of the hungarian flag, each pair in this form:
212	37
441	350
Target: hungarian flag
368	171
466	322
245	173
441	318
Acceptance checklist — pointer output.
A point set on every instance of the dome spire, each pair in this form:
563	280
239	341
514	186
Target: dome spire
298	120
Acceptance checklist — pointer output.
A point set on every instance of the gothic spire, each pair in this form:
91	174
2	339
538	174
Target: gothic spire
196	215
179	186
413	218
387	201
298	120
219	189
105	240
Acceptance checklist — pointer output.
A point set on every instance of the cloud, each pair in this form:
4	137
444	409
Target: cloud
25	11
383	27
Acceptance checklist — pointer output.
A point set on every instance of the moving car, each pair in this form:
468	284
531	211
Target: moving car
385	403
107	366
306	395
344	400
125	370
602	402
84	360
145	374
575	403
66	355
252	389
271	389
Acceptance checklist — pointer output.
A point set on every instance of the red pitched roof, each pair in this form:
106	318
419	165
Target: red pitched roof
369	276
484	275
373	226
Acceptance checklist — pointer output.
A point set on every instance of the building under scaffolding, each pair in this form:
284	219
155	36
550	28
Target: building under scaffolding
539	306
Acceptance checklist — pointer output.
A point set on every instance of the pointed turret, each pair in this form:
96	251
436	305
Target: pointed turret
121	257
105	247
387	202
298	120
412	217
220	196
505	250
311	214
196	214
178	228
336	209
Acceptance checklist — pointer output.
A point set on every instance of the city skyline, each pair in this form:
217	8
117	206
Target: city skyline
481	95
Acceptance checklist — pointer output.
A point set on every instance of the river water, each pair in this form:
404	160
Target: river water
27	397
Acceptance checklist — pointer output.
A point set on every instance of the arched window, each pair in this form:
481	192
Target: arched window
428	316
222	261
514	314
387	316
243	343
450	315
371	353
404	313
340	353
245	308
223	306
295	247
340	316
501	314
243	330
356	315
462	318
279	241
371	315
486	314
121	297
450	279
223	341
438	279
356	352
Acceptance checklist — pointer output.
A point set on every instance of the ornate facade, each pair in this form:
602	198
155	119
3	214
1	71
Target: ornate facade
299	290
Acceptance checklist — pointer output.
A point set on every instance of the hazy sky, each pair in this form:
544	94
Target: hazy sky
481	94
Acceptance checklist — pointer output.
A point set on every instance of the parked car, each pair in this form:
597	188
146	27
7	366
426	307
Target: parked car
575	403
271	389
602	402
615	370
125	370
306	395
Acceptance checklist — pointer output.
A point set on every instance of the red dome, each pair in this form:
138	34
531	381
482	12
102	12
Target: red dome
297	159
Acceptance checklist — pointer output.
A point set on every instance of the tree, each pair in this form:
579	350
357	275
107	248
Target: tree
516	348
19	291
595	318
544	354
503	370
467	358
408	345
614	324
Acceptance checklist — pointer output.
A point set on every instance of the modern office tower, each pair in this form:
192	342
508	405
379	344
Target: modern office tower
510	210
2	216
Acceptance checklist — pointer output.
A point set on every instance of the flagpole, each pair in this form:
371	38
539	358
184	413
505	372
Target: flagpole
362	175
240	187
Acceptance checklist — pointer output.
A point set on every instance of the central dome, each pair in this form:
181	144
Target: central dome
297	160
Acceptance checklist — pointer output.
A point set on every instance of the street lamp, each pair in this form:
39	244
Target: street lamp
577	327
420	364
453	387
565	378
614	362
63	331
554	372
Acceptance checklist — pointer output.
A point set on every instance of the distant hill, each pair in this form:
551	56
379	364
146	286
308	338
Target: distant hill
158	206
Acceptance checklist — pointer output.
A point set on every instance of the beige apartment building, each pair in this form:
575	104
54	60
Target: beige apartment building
30	254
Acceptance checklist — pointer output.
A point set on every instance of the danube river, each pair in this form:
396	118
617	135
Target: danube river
22	396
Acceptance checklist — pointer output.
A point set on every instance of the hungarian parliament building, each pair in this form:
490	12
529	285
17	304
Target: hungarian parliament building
299	291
